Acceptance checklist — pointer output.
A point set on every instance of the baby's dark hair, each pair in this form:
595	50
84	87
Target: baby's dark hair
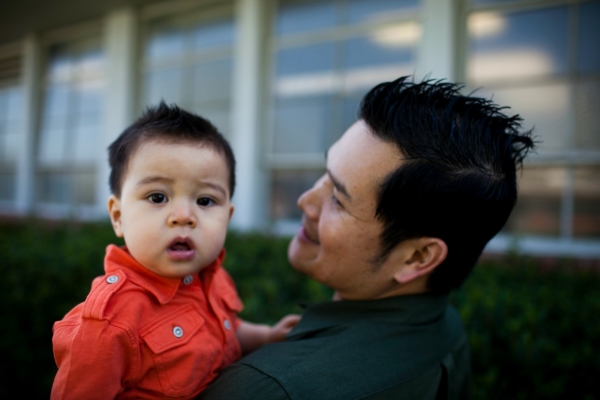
171	124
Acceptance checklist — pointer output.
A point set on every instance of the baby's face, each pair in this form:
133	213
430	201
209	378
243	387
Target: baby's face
174	207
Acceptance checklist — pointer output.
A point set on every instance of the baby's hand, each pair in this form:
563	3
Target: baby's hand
283	327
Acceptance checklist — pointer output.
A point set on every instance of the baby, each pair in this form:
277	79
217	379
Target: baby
163	320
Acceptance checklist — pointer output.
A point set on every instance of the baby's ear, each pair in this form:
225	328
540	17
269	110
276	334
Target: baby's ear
114	212
231	210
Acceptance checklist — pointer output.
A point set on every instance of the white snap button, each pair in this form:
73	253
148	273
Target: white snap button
178	332
112	279
227	324
188	279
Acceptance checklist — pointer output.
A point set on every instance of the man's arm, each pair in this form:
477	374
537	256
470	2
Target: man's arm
242	382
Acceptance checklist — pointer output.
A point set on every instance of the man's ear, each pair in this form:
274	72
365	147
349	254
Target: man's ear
114	212
421	257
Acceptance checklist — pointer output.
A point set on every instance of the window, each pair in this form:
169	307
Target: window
188	61
11	121
325	56
71	123
542	59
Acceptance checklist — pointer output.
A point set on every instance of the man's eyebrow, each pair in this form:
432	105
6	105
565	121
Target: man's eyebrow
340	187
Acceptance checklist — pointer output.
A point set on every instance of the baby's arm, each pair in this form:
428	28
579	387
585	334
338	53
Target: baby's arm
92	359
252	336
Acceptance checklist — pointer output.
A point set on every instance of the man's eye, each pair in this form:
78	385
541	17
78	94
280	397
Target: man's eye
157	198
204	201
336	201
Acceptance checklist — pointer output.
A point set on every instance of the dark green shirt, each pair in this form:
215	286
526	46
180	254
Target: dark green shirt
406	347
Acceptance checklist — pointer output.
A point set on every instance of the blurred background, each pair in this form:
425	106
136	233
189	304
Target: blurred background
282	79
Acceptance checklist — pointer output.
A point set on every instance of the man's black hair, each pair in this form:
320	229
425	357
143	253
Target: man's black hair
171	124
457	178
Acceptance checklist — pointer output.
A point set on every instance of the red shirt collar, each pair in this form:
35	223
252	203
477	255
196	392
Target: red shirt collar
163	288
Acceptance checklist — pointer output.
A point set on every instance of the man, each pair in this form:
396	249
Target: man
413	192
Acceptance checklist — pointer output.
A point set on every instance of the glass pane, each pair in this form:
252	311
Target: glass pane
90	64
301	125
14	104
218	116
60	64
350	113
85	144
8	186
586	218
85	189
517	45
295	16
492	1
304	60
538	207
9	147
391	45
165	45
589	37
360	10
57	100
164	85
3	104
286	188
89	98
52	146
212	82
54	188
216	34
546	108
587	106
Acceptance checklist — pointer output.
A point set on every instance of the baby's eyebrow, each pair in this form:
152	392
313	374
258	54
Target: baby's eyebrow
152	179
216	186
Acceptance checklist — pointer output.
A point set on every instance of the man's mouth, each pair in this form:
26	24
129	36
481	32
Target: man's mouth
307	236
181	249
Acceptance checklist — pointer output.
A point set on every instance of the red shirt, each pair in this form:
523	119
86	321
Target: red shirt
140	335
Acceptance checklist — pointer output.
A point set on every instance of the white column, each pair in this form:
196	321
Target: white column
250	197
438	50
120	29
31	99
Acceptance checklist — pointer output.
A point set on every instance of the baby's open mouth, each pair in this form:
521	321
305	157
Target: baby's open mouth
180	246
181	249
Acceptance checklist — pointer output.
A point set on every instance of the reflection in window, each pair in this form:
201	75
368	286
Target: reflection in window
318	80
589	34
190	64
546	107
517	45
71	123
528	59
11	130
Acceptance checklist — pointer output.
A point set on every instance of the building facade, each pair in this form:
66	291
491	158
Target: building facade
282	79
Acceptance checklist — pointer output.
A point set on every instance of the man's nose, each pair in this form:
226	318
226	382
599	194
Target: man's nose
310	201
182	215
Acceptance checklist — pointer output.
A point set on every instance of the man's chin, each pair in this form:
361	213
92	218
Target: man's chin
299	255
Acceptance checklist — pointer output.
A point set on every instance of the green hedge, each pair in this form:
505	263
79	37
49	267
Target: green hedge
534	334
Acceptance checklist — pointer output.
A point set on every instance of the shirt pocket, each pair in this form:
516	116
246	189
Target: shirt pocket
182	359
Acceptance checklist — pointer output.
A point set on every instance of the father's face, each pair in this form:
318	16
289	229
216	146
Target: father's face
338	242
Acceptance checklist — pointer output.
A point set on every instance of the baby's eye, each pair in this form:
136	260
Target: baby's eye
204	201
157	198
